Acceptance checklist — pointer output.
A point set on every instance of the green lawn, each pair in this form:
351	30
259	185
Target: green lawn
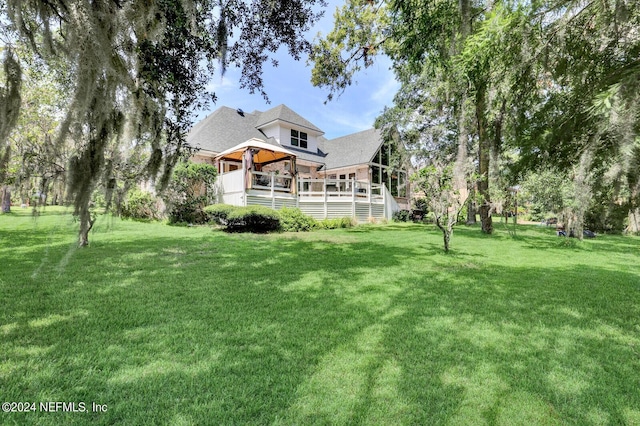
372	325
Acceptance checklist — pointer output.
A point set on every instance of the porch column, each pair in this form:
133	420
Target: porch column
325	197
273	198
244	181
369	198
353	197
383	189
294	176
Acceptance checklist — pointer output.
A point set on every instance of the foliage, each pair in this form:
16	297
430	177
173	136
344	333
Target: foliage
521	78
545	191
603	215
10	101
421	203
140	205
138	73
337	223
446	198
294	220
38	163
257	219
218	213
191	189
401	216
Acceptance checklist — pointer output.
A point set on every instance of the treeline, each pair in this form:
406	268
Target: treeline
504	95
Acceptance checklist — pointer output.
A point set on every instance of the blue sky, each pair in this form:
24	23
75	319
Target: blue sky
289	83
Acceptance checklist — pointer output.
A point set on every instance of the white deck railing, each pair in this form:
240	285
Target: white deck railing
271	181
312	189
340	188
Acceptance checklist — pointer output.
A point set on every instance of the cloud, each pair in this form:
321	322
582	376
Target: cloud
384	94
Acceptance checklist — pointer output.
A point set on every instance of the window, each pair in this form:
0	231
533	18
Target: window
375	174
384	155
394	185
299	139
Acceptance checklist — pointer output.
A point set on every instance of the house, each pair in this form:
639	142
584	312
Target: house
278	158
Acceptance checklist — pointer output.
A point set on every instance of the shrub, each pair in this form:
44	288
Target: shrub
253	219
343	222
191	189
140	205
421	204
293	220
188	211
401	216
218	213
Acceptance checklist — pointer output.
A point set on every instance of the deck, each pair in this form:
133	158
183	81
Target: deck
319	198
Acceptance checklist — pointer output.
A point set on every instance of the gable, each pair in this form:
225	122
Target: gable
287	115
357	148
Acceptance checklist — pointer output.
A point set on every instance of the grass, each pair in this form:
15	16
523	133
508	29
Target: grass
372	325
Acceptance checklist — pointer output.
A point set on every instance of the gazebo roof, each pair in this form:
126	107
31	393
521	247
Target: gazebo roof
266	153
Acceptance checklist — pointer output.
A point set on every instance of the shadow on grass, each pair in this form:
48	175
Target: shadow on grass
201	327
523	345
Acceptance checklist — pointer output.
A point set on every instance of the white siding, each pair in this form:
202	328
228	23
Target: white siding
274	131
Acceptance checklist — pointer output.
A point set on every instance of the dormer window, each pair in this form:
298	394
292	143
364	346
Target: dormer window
298	139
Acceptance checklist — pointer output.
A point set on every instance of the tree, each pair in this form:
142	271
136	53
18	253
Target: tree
445	44
556	82
138	72
437	181
9	111
546	191
579	98
38	164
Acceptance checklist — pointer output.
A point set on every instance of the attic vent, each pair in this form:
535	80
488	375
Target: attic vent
240	111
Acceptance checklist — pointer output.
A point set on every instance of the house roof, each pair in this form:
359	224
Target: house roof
357	148
225	128
302	154
286	114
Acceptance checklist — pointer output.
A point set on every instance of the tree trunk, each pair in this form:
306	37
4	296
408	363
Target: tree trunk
494	154
634	222
6	199
86	223
446	233
471	208
582	193
483	160
447	238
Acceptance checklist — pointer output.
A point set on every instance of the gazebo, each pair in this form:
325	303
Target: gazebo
256	165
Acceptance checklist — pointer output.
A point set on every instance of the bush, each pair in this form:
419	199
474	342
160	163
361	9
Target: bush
188	211
253	219
218	213
140	205
401	216
293	220
421	204
191	189
343	222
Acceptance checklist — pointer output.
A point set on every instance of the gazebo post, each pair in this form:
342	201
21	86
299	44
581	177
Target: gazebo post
244	181
294	176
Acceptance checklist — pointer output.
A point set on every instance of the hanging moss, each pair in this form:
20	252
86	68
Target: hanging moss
9	106
143	60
